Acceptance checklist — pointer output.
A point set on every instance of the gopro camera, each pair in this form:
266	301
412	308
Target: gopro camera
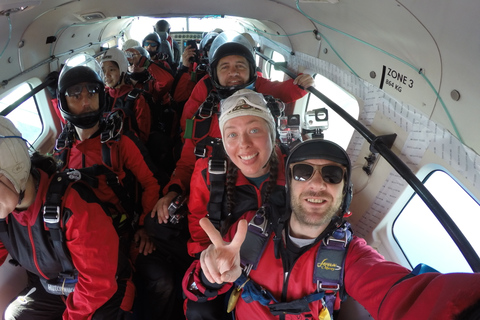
177	208
316	119
289	128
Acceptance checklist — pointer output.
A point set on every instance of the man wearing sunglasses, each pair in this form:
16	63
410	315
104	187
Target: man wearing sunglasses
311	260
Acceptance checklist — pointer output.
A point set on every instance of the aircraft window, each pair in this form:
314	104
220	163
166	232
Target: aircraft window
421	236
25	117
276	75
338	130
142	26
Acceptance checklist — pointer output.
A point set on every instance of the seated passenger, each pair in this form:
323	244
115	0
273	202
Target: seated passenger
122	95
254	168
159	50
232	67
155	80
293	275
194	67
93	288
164	26
88	142
254	178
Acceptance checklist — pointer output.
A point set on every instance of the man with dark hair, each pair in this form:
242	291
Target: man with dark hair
308	259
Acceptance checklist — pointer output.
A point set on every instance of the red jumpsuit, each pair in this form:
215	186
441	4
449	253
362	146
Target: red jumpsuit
90	239
369	279
88	153
285	91
247	198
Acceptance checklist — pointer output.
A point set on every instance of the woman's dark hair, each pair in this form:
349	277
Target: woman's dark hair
44	163
232	174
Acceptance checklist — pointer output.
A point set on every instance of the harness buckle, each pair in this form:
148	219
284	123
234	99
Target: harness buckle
200	152
51	214
74	175
217	166
340	235
206	109
331	287
259	221
113	127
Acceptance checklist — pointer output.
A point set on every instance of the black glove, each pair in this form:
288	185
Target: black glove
52	87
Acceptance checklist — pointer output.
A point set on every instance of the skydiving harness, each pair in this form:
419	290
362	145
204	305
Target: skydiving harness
128	106
111	163
328	272
54	219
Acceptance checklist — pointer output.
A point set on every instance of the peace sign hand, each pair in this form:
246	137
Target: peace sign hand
220	262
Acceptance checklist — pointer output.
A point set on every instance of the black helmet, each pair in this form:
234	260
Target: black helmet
81	68
321	149
227	44
142	51
162	26
153	37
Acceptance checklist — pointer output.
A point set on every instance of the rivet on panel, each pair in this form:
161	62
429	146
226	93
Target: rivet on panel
455	95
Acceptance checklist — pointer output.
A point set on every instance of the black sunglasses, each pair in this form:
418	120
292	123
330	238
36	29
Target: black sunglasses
330	173
150	43
77	89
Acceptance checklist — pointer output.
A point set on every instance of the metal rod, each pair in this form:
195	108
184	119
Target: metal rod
27	96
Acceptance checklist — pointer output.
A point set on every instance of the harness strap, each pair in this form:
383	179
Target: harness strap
328	275
255	242
52	214
217	169
329	270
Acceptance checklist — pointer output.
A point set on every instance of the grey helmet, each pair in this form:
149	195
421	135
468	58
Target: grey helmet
227	44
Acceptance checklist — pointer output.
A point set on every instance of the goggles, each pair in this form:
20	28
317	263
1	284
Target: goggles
131	55
332	174
77	89
152	44
251	99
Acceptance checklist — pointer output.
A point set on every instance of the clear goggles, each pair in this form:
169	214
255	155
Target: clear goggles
77	89
332	174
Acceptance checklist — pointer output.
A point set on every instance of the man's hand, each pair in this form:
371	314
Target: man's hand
161	207
220	262
188	53
143	241
304	80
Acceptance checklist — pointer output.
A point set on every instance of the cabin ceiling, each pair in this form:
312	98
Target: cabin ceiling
434	36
